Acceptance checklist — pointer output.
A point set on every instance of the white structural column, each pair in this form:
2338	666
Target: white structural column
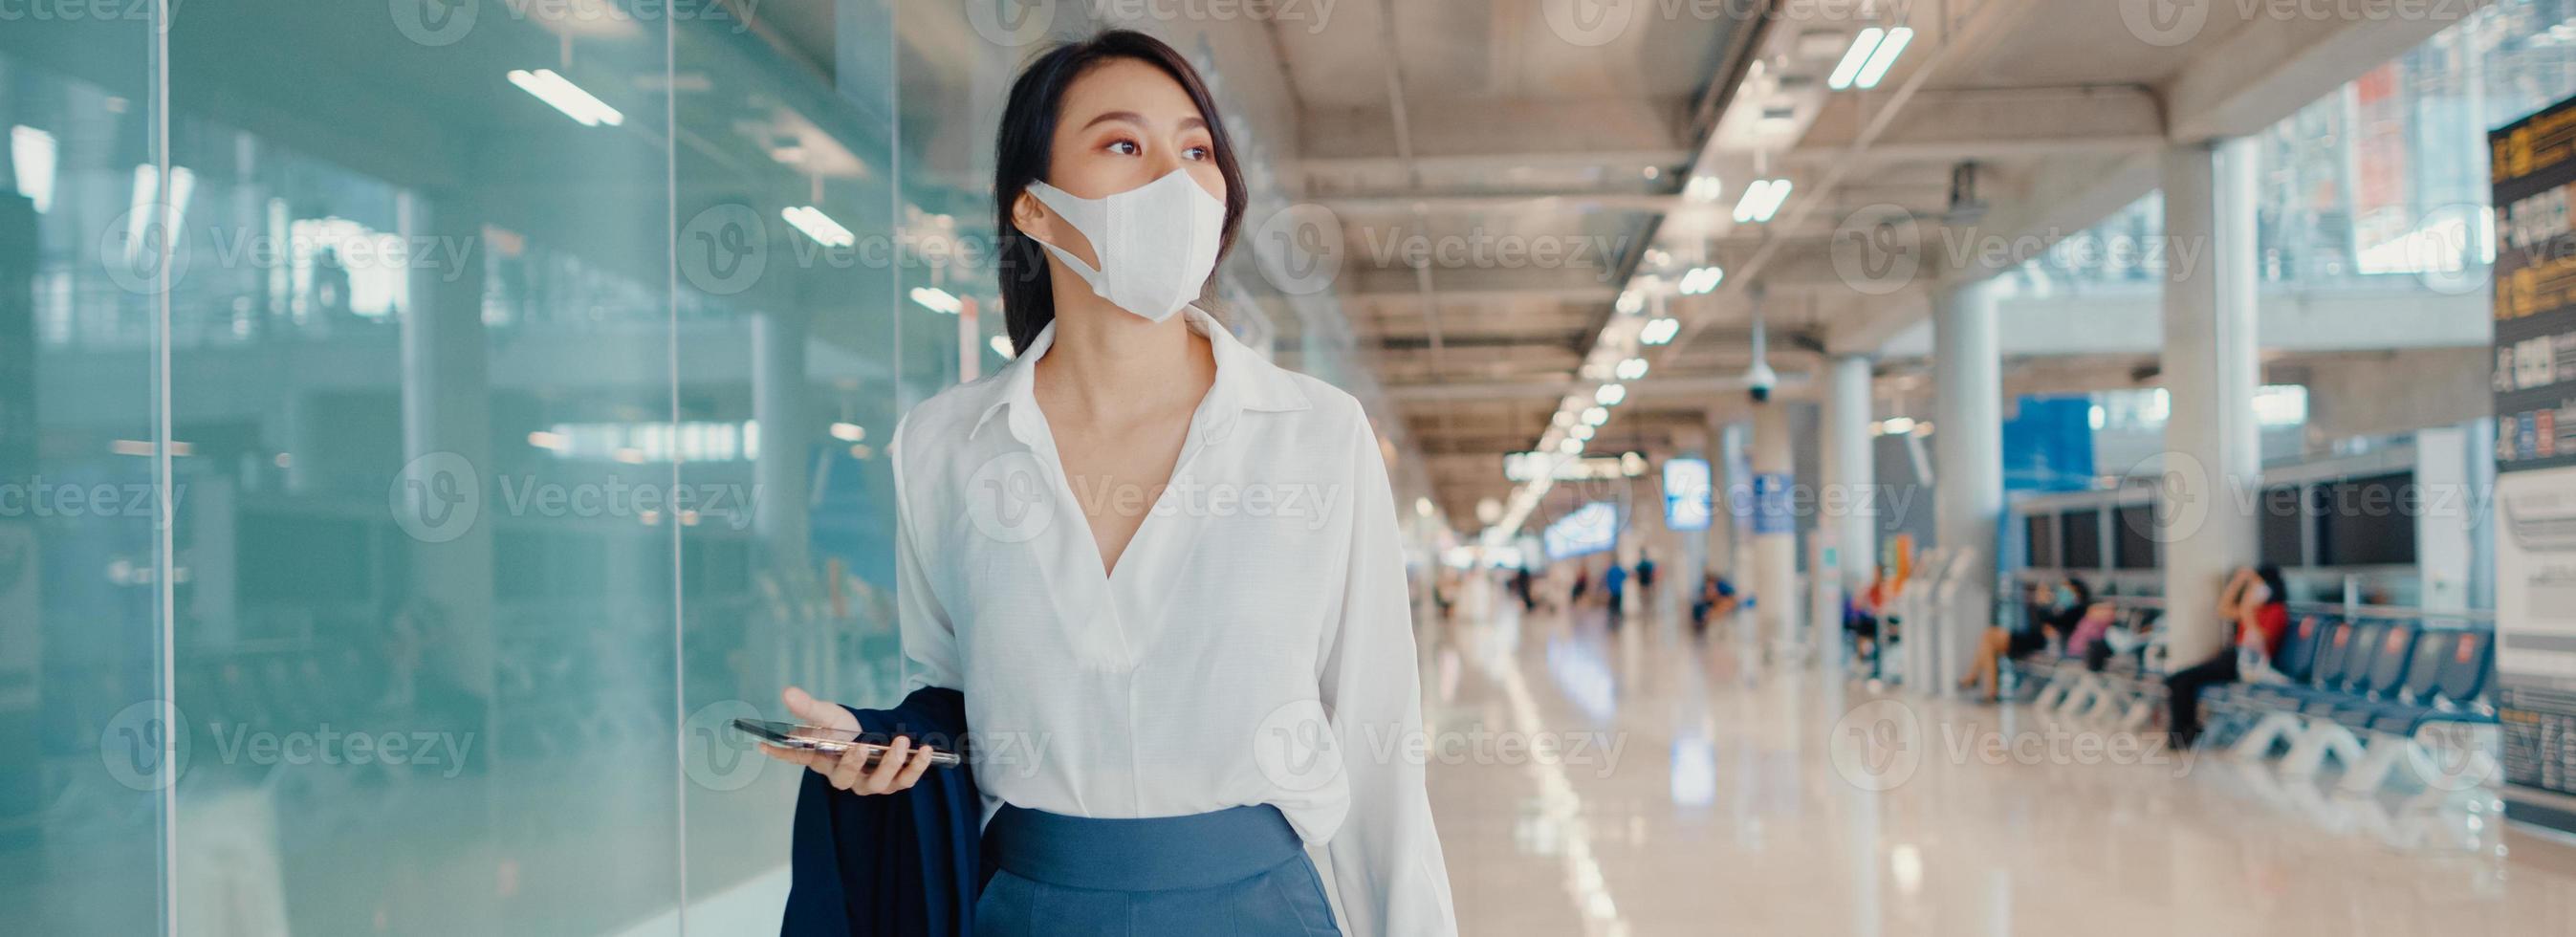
1729	551
1847	522
1775	534
2211	365
1851	469
1967	463
1681	579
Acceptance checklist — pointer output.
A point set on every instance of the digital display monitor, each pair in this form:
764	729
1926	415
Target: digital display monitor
2041	532
1687	495
1591	528
2133	537
2080	533
2368	521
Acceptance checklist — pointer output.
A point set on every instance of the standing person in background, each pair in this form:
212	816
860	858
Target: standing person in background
1645	574
1521	588
2257	605
1614	587
1582	584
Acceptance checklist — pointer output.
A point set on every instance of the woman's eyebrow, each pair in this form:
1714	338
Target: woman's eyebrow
1192	121
1128	116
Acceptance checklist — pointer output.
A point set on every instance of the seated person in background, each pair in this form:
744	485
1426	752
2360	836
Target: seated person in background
2054	611
2091	638
2256	604
1717	599
1861	615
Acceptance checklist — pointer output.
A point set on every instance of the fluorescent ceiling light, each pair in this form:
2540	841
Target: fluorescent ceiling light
1854	58
1580	431
820	227
1630	302
1701	189
1632	369
1701	280
1570	446
33	152
1761	200
1610	394
1596	416
1771	202
1881	60
937	300
147	193
1659	331
563	95
1752	198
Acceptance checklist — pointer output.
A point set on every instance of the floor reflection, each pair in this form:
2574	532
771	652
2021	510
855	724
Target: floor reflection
1735	797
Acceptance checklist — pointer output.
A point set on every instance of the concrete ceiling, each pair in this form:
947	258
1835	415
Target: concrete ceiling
1468	125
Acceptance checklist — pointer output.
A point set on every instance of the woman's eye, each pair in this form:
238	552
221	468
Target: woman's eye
1125	147
1197	153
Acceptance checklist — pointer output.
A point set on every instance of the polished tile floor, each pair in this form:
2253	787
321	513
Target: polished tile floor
1597	782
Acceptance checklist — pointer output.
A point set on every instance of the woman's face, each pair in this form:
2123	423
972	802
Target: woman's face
1121	125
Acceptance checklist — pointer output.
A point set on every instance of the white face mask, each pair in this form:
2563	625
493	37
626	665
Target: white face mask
1157	242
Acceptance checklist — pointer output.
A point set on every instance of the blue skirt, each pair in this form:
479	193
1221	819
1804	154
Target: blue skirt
1240	871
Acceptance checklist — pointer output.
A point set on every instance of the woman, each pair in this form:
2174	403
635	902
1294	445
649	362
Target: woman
2255	602
1164	573
2051	612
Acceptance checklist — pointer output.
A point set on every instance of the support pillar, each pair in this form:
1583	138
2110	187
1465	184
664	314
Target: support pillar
2211	366
1967	466
1775	533
1728	552
447	443
1849	502
1683	577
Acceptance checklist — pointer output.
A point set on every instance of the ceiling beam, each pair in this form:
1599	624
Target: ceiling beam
1632	160
1644	389
1942	126
2271	66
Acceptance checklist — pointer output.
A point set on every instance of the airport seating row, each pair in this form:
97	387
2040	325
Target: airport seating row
2371	694
2125	691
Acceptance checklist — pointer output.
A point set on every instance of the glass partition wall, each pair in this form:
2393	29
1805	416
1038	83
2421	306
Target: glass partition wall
514	381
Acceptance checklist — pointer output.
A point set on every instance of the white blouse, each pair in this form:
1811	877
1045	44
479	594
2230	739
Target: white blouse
1253	645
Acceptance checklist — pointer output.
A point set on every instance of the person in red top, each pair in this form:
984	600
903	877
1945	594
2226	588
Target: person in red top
2256	602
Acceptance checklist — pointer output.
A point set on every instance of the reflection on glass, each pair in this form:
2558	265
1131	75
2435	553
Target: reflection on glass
87	751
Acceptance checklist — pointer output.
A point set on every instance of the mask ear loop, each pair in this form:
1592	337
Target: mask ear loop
1048	196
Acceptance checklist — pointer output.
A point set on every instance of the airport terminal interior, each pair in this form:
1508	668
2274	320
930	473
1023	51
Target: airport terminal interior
1834	443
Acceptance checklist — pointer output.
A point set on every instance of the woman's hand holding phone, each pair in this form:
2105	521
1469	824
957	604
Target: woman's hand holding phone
899	769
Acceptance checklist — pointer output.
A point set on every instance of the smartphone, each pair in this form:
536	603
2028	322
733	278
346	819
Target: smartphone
818	738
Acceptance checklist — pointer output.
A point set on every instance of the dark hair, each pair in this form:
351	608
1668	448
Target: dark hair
2083	593
2270	573
1026	144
